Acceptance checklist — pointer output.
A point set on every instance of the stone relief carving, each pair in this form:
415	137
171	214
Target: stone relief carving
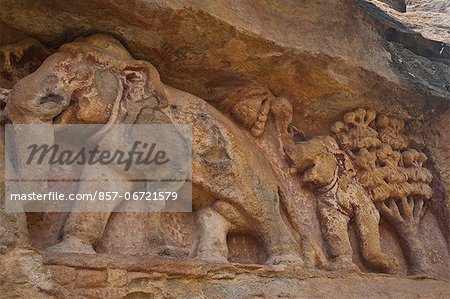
255	108
262	82
252	109
393	173
340	198
367	169
354	131
250	106
95	80
390	130
277	132
20	59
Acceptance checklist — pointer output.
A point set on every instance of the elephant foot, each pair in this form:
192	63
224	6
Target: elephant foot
211	258
285	259
422	271
341	263
72	245
384	263
172	251
213	229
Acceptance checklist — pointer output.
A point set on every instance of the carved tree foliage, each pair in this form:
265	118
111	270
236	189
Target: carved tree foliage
394	174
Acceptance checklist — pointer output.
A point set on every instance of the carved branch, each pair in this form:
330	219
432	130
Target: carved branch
419	210
407	209
390	211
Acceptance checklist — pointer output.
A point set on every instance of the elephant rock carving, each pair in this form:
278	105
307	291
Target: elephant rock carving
340	198
95	80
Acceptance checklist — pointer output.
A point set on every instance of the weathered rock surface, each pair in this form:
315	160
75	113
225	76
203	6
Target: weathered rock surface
154	277
398	5
277	74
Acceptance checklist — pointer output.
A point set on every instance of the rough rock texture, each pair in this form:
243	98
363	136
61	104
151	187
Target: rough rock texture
398	5
104	277
332	114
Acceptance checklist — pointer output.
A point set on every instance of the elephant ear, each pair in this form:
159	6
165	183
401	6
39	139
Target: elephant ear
142	83
107	84
95	99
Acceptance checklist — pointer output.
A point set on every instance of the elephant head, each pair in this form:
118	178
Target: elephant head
92	80
315	159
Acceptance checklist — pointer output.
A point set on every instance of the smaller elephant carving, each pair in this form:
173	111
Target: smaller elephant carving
340	198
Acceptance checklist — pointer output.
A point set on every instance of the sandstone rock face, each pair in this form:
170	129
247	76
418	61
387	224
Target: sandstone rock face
399	5
320	146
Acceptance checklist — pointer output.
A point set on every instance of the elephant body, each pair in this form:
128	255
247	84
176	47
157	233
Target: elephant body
95	80
234	187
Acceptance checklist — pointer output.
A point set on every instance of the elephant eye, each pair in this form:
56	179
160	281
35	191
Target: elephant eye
53	98
133	78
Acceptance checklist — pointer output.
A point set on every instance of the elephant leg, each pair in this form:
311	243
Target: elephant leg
366	219
53	223
155	235
83	230
280	244
212	230
334	226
